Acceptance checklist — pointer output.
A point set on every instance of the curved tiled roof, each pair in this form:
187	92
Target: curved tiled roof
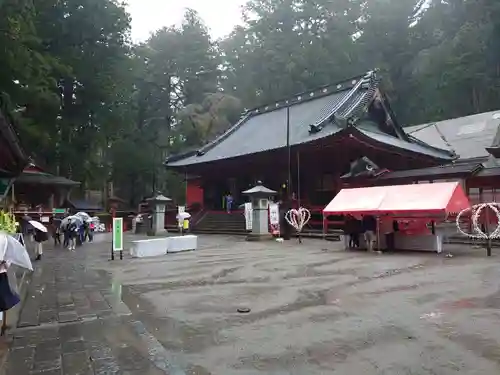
312	115
467	136
265	128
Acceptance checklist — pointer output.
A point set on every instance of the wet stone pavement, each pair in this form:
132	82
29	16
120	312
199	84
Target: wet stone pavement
315	309
73	322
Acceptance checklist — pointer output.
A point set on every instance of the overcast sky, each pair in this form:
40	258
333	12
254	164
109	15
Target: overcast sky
149	15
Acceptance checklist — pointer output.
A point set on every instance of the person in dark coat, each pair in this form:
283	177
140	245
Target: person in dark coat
8	298
370	231
56	233
352	229
40	237
72	230
66	235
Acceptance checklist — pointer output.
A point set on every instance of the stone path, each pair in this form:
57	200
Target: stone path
73	322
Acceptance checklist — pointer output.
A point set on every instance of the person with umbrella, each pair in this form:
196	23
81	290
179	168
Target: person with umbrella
11	252
69	226
183	220
8	298
40	236
84	227
72	234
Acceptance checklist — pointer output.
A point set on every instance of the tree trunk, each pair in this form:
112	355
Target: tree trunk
66	127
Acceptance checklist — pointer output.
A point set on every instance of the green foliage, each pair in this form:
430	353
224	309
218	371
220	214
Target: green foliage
94	107
8	222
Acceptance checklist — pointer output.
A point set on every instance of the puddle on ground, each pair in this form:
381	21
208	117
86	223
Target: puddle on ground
156	333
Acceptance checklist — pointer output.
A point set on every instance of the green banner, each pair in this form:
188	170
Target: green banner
58	211
117	234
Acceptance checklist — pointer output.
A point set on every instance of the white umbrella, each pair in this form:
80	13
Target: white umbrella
183	215
77	219
12	251
84	216
39	226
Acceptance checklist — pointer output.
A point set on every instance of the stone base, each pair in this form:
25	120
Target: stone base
182	243
259	237
149	248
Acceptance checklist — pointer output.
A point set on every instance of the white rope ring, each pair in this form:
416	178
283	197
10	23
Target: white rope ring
476	213
298	218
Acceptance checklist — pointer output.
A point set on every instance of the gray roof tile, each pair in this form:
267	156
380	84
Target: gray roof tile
267	131
399	143
466	136
448	170
265	128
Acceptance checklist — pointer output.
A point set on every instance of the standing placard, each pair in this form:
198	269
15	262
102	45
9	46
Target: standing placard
248	216
274	218
117	241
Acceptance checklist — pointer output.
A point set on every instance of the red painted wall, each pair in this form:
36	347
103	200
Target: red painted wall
194	193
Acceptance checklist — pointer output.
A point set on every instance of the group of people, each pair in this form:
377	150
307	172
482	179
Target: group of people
367	226
74	233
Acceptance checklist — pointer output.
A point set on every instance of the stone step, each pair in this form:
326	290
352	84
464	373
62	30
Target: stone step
330	237
221	221
220	227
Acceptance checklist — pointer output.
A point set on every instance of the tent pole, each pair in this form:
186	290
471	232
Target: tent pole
488	241
378	233
289	151
298	178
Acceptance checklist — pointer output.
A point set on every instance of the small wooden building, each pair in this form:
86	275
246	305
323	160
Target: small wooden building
37	192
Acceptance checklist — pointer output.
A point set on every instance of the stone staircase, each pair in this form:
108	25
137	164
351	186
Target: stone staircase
234	223
221	223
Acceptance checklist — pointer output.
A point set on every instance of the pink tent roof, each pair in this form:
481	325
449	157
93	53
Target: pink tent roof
440	198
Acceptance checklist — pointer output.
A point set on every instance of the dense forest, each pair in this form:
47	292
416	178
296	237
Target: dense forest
93	106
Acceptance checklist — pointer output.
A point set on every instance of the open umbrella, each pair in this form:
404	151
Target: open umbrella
183	215
12	251
77	219
84	216
38	226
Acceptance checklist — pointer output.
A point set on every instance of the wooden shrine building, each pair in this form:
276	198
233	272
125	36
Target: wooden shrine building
312	137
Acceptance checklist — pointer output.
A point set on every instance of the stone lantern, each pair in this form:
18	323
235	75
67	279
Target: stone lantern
259	197
158	206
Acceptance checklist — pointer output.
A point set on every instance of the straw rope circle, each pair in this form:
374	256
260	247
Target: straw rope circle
476	213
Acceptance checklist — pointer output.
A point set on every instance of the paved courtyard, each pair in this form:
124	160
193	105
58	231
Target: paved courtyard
315	309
